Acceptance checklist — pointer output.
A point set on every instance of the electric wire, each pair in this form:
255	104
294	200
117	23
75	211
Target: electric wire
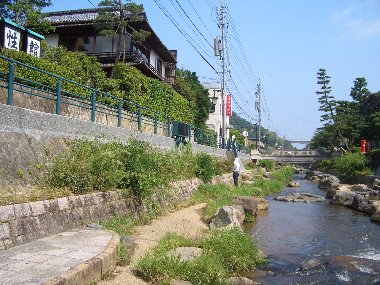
186	36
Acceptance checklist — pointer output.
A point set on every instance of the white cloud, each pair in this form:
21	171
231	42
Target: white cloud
361	29
353	22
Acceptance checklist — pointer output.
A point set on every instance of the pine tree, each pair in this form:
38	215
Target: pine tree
113	21
326	101
359	91
328	106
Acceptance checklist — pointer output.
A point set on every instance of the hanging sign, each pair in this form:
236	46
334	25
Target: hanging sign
33	46
229	105
12	38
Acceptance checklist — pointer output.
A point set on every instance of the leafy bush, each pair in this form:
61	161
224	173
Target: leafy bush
87	166
143	166
206	167
154	94
350	164
374	158
267	163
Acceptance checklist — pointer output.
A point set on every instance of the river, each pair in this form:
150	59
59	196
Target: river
343	243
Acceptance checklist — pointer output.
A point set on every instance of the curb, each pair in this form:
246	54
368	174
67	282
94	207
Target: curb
92	270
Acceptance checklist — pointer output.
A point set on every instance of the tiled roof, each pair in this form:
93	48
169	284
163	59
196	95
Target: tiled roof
81	15
72	18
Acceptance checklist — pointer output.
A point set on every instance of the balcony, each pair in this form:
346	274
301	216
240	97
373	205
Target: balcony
135	59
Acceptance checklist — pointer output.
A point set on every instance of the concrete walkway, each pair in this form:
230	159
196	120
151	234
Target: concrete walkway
80	256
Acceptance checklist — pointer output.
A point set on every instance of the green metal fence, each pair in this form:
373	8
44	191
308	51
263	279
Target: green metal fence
65	92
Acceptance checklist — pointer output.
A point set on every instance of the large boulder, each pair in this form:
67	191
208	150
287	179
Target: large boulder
262	203
361	204
376	184
359	188
249	204
239	281
246	176
331	193
342	198
328	182
185	253
228	216
376	211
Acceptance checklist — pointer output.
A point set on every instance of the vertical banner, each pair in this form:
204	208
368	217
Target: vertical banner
229	105
33	46
12	38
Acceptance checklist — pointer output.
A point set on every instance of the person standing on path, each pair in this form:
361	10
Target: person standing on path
235	175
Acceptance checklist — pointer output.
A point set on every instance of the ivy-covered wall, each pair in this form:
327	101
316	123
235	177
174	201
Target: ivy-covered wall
129	83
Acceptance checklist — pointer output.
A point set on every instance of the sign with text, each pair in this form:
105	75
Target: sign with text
229	105
33	46
12	38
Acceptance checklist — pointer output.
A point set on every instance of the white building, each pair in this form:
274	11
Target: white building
214	121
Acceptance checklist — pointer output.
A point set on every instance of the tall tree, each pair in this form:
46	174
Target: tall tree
359	92
326	101
114	20
189	86
26	12
328	106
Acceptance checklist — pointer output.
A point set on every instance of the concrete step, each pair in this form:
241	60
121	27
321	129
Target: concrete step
80	256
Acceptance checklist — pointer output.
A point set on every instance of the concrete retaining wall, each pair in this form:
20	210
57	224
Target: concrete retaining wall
29	140
22	223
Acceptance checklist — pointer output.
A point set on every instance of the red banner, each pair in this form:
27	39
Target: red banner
229	105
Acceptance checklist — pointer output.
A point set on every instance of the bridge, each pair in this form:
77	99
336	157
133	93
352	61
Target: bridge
299	157
300	141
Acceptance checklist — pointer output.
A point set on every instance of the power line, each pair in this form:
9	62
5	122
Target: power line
186	35
193	24
91	3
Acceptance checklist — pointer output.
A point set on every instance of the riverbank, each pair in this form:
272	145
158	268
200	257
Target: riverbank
187	221
193	222
361	197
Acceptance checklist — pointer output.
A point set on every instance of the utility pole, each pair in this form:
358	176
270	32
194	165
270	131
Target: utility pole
258	109
220	50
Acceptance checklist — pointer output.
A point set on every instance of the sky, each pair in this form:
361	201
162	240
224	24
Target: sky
281	44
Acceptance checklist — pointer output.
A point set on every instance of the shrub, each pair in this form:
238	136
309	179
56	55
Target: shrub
206	167
143	166
267	163
374	158
350	164
87	166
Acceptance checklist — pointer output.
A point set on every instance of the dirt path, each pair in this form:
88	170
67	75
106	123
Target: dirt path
186	221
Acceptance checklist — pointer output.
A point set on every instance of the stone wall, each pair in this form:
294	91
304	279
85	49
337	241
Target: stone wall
22	223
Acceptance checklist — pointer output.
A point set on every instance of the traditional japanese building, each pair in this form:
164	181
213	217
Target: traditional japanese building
75	30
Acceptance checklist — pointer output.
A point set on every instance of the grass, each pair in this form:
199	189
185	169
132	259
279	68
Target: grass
217	196
17	195
224	252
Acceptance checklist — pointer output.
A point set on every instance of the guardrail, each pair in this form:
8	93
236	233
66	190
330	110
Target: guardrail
65	94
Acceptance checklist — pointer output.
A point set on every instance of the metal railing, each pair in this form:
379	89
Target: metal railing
62	92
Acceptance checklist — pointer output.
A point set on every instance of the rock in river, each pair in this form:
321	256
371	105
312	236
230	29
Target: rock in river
300	197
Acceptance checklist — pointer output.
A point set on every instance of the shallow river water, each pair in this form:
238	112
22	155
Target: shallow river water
344	242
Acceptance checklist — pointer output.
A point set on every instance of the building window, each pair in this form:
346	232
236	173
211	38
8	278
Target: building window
159	66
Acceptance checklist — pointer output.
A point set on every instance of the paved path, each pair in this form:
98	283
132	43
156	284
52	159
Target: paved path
60	258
